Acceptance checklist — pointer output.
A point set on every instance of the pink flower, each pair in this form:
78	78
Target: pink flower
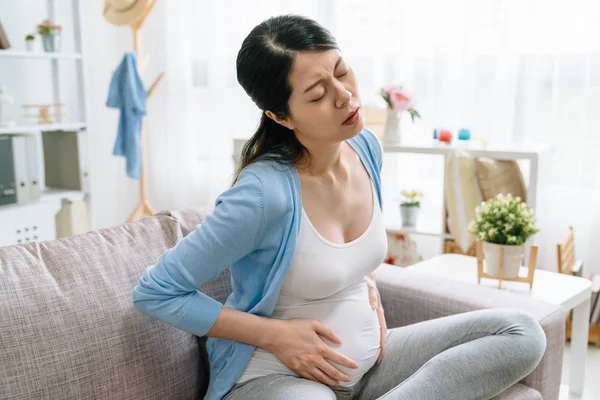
390	88
401	100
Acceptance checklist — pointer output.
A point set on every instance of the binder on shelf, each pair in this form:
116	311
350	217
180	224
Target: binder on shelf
19	151
82	148
61	160
8	193
33	167
19	169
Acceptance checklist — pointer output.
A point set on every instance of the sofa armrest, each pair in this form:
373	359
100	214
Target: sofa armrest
409	297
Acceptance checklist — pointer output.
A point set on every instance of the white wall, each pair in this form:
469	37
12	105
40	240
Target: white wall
114	195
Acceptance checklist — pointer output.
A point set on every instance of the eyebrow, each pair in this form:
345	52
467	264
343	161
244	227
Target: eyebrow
339	60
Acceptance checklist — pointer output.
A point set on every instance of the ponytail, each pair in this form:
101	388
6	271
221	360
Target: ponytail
271	141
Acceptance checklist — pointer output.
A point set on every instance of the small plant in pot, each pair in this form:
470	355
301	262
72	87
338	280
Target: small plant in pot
50	33
29	42
503	222
409	207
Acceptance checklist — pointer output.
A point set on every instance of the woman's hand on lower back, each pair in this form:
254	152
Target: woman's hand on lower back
375	300
297	344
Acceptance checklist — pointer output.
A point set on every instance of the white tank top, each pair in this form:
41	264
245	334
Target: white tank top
327	282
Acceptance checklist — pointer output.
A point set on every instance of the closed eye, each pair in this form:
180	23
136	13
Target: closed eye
344	74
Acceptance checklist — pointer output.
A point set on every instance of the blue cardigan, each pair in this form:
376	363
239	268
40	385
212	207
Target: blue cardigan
252	230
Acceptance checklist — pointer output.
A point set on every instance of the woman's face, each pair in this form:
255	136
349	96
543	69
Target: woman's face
324	96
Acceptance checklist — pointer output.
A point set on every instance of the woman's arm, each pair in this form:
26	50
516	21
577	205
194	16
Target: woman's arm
168	290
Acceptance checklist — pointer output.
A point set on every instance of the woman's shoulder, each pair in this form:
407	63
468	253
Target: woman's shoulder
275	182
369	143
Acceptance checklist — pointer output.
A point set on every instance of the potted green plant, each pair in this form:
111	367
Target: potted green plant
50	33
503	222
409	207
29	42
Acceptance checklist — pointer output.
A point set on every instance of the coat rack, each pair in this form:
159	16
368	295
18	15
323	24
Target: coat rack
143	207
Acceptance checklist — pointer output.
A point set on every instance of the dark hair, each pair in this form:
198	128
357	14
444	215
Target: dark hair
263	67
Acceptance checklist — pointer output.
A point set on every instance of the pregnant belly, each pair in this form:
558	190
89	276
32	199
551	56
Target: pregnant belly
351	317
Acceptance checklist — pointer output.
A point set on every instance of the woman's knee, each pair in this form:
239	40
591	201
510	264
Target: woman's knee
532	338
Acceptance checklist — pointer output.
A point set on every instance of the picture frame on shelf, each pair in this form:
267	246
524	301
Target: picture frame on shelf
4	42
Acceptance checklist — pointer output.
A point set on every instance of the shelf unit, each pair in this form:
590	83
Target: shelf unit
35	220
36	129
40	55
432	222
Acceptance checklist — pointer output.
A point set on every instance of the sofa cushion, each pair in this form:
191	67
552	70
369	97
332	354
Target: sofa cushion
500	176
68	328
462	196
219	289
519	392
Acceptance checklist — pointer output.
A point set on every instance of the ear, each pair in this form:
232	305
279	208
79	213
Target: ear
285	122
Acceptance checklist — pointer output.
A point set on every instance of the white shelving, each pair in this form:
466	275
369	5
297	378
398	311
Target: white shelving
40	55
503	152
64	158
49	195
29	129
428	222
535	153
431	222
59	194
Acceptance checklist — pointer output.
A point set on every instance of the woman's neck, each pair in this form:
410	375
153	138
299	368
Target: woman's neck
324	160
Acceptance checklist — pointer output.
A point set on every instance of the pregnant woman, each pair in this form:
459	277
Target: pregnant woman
301	231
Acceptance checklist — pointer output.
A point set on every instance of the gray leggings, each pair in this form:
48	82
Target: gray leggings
474	355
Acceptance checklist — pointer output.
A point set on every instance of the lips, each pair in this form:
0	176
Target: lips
351	115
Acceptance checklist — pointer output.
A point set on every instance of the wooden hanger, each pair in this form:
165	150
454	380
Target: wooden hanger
143	207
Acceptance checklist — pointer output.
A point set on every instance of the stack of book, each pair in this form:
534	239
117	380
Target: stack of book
595	301
594	330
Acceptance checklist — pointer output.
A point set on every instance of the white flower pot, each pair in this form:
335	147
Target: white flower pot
392	132
29	44
409	215
513	259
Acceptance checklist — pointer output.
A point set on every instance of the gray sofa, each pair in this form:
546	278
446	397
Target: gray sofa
68	329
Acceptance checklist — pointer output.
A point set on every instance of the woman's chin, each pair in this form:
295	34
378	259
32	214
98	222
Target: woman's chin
351	131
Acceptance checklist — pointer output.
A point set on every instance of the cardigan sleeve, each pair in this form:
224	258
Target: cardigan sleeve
375	146
168	290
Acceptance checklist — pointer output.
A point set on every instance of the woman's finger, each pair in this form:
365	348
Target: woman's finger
336	357
332	371
383	344
373	297
324	378
383	332
307	375
326	332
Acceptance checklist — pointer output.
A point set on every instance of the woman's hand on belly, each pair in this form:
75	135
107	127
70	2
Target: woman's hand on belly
297	344
375	301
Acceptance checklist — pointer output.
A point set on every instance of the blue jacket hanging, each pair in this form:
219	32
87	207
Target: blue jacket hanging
127	93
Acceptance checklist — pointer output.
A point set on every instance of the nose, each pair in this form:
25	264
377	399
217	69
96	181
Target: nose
343	95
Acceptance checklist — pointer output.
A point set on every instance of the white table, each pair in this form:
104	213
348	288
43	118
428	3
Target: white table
568	291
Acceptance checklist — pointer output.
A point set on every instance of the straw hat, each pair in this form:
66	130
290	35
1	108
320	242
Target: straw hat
124	12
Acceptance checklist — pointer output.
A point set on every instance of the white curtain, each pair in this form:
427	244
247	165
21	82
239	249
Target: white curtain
510	70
